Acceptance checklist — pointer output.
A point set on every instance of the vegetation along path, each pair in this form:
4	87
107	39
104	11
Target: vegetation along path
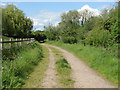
45	75
83	76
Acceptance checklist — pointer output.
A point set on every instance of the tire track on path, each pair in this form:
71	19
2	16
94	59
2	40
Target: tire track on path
50	80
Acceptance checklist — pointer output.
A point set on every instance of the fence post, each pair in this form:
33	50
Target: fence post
1	44
31	40
16	42
20	41
10	42
27	40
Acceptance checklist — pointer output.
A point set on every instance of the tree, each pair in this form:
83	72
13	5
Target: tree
69	26
51	32
14	22
39	35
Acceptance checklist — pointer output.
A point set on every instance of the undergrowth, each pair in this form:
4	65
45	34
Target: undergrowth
17	69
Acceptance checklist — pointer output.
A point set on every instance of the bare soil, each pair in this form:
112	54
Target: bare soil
50	80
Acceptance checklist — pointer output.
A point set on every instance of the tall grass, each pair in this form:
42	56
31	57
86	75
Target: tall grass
103	61
15	71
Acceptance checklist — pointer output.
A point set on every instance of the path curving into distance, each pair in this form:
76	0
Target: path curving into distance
84	76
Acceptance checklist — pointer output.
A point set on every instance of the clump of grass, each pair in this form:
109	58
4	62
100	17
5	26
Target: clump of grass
62	64
16	71
64	71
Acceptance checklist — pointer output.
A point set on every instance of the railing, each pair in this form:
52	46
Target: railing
16	41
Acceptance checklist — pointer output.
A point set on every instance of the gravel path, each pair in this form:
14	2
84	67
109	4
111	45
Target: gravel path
50	79
83	76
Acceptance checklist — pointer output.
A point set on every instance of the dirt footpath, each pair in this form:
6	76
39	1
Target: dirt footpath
50	78
83	76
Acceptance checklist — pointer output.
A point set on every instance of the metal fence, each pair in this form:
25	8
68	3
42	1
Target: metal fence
18	41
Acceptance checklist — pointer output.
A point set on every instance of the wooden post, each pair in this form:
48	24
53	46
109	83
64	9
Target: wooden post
20	41
16	42
1	44
10	42
32	40
27	40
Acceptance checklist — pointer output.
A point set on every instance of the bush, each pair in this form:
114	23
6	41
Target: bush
69	39
99	38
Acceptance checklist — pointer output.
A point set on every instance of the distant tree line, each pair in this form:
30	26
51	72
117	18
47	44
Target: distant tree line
39	35
83	27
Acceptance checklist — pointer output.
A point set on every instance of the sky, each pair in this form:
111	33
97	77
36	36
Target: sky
43	13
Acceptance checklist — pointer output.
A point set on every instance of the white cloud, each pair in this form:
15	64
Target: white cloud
45	17
46	20
35	21
87	12
41	24
3	4
39	28
94	12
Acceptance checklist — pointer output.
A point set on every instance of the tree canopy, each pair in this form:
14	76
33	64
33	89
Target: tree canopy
15	23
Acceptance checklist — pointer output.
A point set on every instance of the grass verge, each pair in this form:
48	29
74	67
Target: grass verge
16	71
35	78
104	62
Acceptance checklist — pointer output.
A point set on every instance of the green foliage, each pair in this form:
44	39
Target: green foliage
11	53
14	22
101	31
66	30
39	35
5	38
69	26
51	33
16	71
101	39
